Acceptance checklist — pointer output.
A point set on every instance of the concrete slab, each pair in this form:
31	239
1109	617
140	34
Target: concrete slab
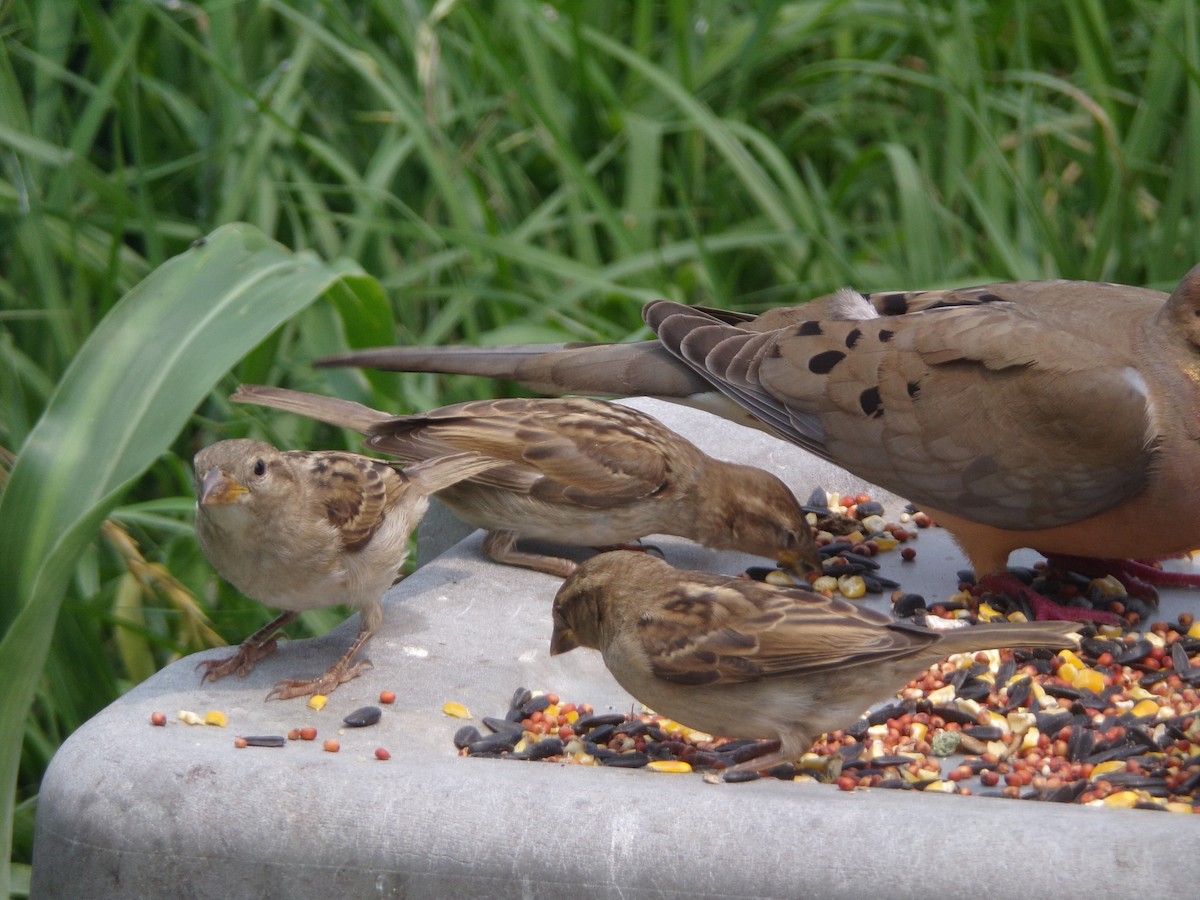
128	809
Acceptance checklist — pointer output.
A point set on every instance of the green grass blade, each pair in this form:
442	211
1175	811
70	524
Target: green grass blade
124	399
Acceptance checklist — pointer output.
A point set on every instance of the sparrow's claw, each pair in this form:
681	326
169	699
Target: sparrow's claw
339	673
240	663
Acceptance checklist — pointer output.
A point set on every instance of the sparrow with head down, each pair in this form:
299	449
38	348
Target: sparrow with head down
743	659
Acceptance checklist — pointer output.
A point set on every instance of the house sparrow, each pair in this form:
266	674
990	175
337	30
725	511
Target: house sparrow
742	659
578	472
1057	415
301	530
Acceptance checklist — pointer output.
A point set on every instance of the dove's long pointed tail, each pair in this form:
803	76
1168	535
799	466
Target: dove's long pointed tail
622	370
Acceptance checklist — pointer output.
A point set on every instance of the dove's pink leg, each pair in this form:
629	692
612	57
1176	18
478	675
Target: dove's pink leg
1044	609
1137	575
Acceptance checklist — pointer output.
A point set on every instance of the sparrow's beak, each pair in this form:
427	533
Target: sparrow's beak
797	564
218	489
563	638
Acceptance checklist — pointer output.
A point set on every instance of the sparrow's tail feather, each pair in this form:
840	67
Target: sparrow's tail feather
331	410
995	635
441	472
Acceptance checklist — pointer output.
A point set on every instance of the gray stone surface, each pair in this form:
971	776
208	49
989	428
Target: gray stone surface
130	810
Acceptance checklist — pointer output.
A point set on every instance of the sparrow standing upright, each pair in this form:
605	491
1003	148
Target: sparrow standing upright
302	530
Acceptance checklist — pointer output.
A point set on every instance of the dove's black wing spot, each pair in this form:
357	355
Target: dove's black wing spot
823	363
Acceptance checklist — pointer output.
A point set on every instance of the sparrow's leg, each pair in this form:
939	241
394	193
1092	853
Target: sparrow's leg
339	673
260	644
502	547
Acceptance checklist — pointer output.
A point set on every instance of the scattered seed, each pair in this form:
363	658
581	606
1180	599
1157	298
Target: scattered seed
387	696
331	746
318	701
382	753
456	710
216	717
190	718
265	740
363	717
308	733
241	743
157	718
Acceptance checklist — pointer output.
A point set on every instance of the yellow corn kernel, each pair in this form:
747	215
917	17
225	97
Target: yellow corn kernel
873	524
216	717
585	759
572	717
1088	680
1017	616
886	542
1029	739
1111	631
1145	708
825	583
318	701
697	737
999	720
1021	722
780	579
852	586
1178	806
190	718
943	787
551	710
988	613
1194	631
918	730
1122	800
944	694
1067	672
671	766
1069	657
1102	769
456	710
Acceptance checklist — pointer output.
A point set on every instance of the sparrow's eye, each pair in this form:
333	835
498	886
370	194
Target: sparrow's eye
260	468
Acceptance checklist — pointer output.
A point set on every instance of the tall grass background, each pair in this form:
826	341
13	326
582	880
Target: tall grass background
514	171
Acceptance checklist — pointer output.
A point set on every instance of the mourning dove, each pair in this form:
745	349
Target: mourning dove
303	530
742	659
1058	415
578	472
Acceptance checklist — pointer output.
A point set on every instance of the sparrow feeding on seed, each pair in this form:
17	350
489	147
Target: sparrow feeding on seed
742	659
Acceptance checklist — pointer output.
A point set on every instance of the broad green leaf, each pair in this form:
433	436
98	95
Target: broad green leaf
120	404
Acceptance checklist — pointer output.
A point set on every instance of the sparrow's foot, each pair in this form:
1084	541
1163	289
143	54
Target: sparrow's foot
1043	608
339	673
240	663
259	645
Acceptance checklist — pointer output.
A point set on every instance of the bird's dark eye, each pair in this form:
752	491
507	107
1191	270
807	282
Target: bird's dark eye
260	468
